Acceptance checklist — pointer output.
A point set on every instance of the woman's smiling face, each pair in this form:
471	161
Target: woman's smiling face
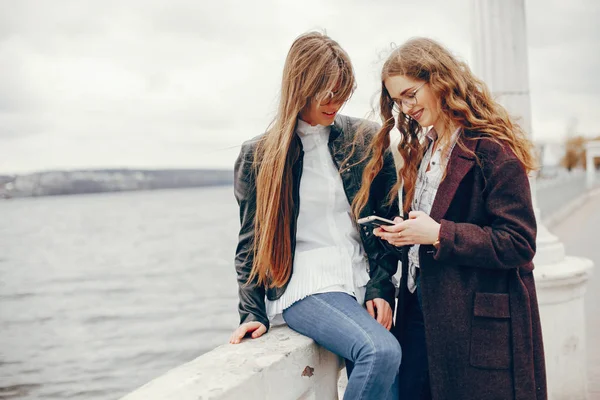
320	113
415	98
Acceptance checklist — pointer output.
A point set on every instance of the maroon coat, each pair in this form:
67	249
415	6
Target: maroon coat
482	325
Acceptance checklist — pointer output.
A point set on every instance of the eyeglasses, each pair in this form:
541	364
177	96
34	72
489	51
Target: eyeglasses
409	100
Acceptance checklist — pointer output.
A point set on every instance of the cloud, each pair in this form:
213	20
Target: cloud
156	83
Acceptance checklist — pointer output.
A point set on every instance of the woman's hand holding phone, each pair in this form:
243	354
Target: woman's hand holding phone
420	228
381	233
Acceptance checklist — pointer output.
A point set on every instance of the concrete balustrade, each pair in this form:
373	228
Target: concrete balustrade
282	365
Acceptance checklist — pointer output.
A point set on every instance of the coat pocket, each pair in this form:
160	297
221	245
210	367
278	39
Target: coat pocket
490	331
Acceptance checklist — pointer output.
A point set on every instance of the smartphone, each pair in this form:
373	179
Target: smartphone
374	221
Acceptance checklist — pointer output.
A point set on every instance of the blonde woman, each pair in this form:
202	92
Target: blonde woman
468	319
301	257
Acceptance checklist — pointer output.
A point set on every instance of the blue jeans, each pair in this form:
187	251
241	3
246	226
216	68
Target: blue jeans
414	371
337	322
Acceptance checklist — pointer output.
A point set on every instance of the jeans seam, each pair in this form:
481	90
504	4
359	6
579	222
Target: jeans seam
362	389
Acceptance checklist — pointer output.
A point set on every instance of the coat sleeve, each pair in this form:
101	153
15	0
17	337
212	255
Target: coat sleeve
251	295
509	241
385	264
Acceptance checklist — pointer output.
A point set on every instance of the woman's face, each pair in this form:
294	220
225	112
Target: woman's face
416	99
320	113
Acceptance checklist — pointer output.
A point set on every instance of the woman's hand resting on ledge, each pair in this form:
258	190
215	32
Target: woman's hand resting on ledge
255	327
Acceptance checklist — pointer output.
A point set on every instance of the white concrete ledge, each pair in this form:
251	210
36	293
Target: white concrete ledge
280	365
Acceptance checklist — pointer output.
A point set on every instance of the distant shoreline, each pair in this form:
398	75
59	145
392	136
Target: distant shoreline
58	183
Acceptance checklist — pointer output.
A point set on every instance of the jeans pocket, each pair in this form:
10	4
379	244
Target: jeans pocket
490	331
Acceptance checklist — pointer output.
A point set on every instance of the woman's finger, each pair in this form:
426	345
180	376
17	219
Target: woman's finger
259	332
243	329
381	310
370	308
399	240
380	316
399	227
415	214
238	334
386	317
403	240
392	236
390	317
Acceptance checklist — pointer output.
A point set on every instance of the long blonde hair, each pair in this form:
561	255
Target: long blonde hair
316	66
465	102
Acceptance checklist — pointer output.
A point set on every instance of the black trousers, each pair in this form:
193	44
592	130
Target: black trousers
414	370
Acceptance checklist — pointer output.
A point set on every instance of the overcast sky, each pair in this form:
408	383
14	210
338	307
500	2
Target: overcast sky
172	83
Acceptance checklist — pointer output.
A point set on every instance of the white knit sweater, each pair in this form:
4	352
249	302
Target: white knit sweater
329	256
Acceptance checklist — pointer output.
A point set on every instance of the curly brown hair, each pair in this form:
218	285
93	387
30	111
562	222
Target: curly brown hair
465	102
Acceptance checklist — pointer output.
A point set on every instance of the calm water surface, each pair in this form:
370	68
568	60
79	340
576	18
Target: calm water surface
101	293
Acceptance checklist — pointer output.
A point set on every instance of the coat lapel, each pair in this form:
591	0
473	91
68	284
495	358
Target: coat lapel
461	162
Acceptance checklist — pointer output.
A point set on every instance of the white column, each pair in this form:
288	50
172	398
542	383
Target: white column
592	150
500	50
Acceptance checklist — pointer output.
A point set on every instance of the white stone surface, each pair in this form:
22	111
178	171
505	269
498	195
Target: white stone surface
280	365
561	288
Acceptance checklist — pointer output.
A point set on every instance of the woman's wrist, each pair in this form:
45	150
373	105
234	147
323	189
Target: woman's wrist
436	242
